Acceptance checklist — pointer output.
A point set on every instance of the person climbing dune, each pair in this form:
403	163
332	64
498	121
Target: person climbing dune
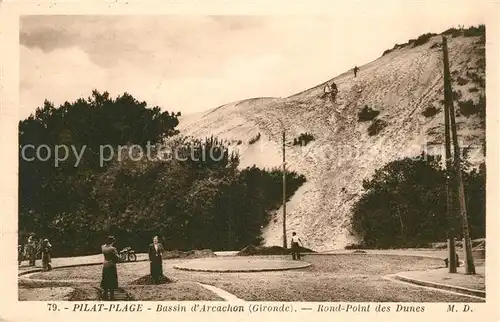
334	91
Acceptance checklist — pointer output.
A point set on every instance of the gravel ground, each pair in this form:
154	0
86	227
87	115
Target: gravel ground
45	294
179	291
344	277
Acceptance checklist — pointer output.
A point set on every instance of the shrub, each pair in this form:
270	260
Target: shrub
178	114
473	90
467	108
457	95
303	139
475	31
367	114
454	32
436	45
422	39
461	81
476	79
396	46
430	111
472	31
376	126
254	139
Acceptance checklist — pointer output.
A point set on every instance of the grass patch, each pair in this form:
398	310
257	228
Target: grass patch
457	95
469	107
367	114
376	127
462	81
476	79
423	39
254	139
303	139
430	111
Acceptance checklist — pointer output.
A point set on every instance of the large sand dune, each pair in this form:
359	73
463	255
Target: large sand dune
400	85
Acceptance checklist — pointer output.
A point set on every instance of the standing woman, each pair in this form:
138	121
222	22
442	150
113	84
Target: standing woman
30	251
156	260
45	249
109	282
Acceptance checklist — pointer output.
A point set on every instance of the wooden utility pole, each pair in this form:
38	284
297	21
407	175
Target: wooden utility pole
284	193
450	213
469	261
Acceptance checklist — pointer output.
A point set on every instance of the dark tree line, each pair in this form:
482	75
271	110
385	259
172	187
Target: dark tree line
198	199
404	204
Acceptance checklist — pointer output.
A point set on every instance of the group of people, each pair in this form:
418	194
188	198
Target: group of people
109	281
333	90
32	250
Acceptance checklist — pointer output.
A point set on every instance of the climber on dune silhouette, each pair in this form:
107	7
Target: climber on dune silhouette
334	91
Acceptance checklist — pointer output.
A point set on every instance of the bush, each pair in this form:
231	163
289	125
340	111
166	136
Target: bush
472	31
303	139
467	108
376	126
254	139
367	114
436	45
473	90
422	39
404	204
461	81
478	31
454	32
430	111
396	46
476	79
457	95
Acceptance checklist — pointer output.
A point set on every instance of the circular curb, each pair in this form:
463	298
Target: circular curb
257	270
37	270
458	289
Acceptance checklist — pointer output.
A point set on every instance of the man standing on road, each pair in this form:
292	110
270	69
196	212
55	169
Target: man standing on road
295	246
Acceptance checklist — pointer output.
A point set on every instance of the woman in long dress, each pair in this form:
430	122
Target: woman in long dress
156	260
109	282
30	251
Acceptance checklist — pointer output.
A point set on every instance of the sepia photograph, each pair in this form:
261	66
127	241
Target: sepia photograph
253	158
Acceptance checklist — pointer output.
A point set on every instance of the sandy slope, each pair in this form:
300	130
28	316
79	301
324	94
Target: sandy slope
400	85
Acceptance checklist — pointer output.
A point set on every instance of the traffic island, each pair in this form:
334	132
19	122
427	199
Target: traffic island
240	264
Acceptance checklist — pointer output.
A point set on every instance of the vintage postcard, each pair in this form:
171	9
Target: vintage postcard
248	160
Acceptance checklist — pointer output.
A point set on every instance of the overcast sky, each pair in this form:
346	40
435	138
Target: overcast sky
194	63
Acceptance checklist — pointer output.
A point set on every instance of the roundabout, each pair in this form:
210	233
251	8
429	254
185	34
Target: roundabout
240	265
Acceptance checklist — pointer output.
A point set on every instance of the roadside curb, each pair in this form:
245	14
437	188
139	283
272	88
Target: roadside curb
457	289
37	270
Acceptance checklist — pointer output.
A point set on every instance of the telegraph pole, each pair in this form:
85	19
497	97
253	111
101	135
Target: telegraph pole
284	193
452	265
469	261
